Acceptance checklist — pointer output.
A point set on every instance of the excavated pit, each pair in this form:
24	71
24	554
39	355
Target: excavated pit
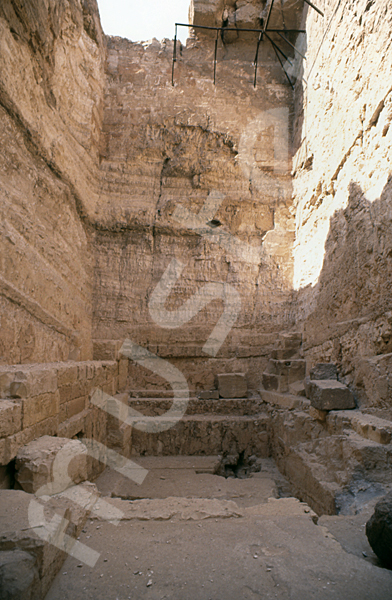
219	246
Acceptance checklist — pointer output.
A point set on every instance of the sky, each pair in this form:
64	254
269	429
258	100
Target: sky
141	20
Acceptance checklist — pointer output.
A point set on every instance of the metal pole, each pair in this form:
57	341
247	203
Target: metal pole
277	48
290	44
239	30
256	59
279	59
269	15
174	54
216	52
315	7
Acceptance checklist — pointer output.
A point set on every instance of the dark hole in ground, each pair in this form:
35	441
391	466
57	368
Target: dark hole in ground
240	467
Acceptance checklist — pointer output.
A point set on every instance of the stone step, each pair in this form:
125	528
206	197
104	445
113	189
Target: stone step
151	393
368	426
197	464
204	435
221	406
372	428
288	401
337	473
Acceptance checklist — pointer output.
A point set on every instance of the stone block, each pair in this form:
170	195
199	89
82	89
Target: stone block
6	379
34	382
284	353
110	387
297	388
18	389
270	381
10	417
18	535
75	390
34	463
10	446
290	340
324	371
232	385
209	395
122	373
204	13
328	394
292	369
67	374
106	349
72	408
73	426
119	437
39	408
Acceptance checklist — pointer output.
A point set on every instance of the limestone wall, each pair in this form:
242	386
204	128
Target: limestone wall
54	399
91	187
165	150
343	198
51	83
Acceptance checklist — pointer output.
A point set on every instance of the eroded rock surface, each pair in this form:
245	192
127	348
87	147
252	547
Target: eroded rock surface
379	530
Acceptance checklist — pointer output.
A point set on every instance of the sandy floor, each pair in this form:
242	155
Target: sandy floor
186	534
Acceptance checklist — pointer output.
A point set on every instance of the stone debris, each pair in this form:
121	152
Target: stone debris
28	564
176	509
34	464
379	530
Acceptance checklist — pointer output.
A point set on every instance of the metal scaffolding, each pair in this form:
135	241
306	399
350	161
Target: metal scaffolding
263	32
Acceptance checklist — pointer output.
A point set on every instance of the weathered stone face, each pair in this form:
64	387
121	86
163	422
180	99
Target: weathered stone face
232	385
170	154
244	14
50	128
343	195
129	150
35	464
